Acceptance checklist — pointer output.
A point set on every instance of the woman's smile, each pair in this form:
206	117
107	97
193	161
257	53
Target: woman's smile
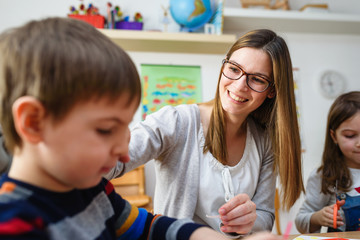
237	98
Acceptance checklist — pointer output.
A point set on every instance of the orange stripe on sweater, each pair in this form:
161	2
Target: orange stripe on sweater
134	213
155	217
7	187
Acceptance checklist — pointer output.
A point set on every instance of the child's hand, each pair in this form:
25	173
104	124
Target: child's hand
238	215
324	217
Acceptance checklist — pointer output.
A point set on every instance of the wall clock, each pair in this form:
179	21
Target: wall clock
332	84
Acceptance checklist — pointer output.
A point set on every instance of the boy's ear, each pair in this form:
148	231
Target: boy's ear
28	113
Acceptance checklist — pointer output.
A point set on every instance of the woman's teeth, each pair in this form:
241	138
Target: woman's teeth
236	98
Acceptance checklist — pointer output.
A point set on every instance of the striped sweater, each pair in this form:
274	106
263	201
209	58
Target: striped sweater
29	212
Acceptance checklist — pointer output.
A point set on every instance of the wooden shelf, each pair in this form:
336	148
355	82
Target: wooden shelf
236	22
146	41
241	20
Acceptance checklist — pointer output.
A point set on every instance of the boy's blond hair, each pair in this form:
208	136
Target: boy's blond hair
60	62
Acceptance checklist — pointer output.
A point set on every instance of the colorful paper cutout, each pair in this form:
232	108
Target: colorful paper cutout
169	85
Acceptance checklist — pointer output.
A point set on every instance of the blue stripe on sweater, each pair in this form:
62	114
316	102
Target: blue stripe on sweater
137	228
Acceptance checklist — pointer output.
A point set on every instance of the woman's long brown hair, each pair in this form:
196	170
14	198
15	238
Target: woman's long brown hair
277	115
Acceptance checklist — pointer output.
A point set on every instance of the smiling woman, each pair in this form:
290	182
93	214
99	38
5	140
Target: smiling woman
236	91
220	157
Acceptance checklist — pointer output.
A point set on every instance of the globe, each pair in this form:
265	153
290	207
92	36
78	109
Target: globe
191	14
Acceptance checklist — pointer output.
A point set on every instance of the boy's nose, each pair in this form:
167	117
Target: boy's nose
121	147
121	152
124	159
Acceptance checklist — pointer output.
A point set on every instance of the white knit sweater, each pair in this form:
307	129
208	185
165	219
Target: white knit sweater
173	136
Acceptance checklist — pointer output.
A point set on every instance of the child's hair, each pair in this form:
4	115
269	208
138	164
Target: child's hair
60	62
332	166
277	115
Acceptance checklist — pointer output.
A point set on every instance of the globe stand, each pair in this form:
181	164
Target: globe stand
185	29
191	30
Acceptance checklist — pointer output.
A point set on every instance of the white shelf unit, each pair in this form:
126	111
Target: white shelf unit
240	20
236	22
147	41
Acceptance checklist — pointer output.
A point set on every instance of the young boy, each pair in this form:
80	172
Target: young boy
67	96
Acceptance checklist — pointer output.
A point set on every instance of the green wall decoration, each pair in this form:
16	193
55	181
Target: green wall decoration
169	85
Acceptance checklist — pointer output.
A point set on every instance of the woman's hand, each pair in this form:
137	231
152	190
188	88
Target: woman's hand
324	217
238	215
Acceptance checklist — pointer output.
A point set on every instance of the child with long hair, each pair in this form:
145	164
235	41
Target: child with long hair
339	173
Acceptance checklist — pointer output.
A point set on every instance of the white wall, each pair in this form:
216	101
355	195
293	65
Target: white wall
311	53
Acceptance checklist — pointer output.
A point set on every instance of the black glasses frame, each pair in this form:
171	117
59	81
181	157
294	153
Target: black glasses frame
246	74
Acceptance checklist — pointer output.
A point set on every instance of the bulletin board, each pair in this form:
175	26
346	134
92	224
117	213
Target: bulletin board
169	85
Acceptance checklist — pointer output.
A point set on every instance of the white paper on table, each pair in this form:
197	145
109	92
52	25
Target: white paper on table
305	237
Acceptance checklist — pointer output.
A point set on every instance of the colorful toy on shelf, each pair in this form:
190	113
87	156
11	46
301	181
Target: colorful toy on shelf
118	13
110	16
165	19
73	10
116	20
82	8
126	24
90	15
91	10
113	19
138	17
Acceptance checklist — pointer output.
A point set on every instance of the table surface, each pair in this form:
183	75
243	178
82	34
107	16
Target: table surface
352	235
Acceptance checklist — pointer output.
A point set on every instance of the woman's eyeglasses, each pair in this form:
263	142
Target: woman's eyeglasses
256	82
